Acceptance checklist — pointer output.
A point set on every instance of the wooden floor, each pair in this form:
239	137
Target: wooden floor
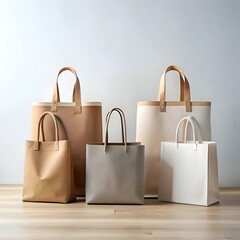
154	220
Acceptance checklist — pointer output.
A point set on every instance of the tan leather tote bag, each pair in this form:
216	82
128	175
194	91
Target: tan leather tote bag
79	122
157	120
115	170
48	172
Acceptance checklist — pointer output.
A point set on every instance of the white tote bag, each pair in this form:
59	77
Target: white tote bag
115	171
189	170
156	121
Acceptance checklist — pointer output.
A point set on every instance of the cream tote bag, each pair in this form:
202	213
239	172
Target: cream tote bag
48	172
156	121
189	170
79	122
115	170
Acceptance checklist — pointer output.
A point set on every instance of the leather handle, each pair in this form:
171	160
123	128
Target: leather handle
184	89
40	126
76	97
123	126
42	134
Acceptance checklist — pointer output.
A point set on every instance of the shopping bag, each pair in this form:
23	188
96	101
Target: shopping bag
48	171
189	170
79	122
156	121
115	171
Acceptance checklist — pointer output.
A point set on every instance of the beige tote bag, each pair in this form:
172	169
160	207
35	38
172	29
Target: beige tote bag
48	172
115	170
79	122
156	121
189	170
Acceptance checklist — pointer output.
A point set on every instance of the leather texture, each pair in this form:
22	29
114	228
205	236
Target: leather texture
48	171
189	170
115	171
156	121
79	122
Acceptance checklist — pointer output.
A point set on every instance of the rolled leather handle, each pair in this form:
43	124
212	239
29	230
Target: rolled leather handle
123	126
40	126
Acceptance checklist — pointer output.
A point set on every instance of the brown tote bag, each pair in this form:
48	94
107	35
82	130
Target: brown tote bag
79	122
48	172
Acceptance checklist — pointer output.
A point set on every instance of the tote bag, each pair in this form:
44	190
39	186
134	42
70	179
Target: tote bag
156	121
189	170
115	170
79	122
48	171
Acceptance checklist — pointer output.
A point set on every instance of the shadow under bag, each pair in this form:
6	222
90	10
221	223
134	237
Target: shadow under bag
48	171
115	170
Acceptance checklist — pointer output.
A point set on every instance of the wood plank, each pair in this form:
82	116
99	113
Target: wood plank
154	220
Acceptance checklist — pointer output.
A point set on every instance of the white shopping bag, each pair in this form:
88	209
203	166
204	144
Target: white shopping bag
189	170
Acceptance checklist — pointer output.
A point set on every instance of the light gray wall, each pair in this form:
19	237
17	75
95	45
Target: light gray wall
119	49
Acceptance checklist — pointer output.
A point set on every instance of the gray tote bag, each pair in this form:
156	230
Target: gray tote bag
115	171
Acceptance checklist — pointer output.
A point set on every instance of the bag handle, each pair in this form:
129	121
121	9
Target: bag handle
123	126
197	129
42	134
184	89
190	119
76	97
40	126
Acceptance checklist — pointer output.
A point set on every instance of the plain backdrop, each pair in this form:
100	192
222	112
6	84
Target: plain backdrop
119	49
